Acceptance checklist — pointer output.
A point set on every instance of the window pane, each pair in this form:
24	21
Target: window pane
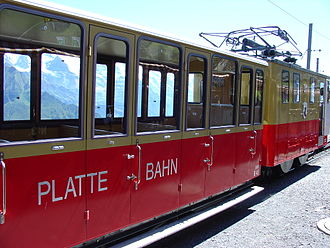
119	101
101	90
245	103
196	96
195	87
285	87
59	87
296	87
169	107
312	91
258	96
154	94
222	92
139	97
328	90
17	87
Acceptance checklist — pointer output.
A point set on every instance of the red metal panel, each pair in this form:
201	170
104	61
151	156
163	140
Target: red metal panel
158	191
45	207
292	140
194	152
109	201
220	175
246	146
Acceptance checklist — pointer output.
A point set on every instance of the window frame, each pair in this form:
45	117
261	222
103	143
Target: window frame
288	89
177	109
203	97
235	95
312	81
35	104
251	100
111	79
255	96
296	93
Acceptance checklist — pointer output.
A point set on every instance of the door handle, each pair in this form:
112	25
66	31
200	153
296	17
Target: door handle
137	180
4	190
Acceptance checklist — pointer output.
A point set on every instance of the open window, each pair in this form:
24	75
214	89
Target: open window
296	87
40	81
158	91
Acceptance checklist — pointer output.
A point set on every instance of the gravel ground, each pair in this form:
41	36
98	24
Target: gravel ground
285	214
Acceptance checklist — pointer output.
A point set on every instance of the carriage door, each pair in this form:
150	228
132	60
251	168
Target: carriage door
109	150
196	142
246	137
325	119
157	142
42	150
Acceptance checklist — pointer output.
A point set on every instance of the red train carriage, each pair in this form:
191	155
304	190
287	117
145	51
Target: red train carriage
104	126
294	117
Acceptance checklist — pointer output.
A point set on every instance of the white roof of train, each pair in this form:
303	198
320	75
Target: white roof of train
112	21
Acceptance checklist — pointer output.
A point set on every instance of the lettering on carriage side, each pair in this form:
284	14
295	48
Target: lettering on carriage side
161	168
73	187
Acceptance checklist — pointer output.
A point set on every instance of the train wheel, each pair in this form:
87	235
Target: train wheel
302	159
286	166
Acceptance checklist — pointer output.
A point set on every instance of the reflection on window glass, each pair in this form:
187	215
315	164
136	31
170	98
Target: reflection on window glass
312	91
169	105
285	86
296	87
139	97
59	87
119	98
154	94
195	87
17	87
100	91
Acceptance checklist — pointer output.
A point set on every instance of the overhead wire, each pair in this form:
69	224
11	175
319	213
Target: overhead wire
297	19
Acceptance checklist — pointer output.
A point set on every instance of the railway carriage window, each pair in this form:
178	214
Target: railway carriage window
101	90
296	87
222	92
110	87
312	91
16	87
245	96
285	86
328	90
158	107
258	97
154	91
39	77
196	88
169	105
59	87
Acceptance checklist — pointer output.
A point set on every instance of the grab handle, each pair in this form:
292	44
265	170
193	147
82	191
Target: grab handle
4	189
212	153
138	180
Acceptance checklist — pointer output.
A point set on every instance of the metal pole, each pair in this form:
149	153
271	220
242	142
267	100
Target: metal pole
317	64
309	49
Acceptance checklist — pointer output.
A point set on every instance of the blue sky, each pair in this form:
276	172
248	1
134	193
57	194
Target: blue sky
185	19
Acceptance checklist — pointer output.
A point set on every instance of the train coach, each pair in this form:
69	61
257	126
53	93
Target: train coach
105	126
